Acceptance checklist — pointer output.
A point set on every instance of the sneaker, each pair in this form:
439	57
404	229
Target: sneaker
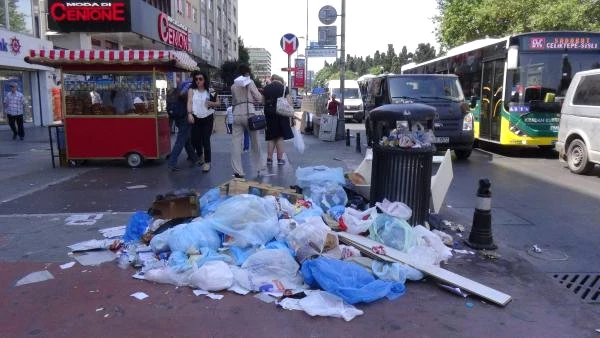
280	162
269	161
206	167
236	175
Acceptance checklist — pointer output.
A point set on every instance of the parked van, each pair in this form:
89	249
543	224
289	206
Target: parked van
353	103
453	127
579	131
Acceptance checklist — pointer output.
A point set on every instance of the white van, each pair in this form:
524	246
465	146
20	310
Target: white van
579	132
353	103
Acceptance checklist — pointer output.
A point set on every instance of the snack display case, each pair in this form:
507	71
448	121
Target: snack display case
114	102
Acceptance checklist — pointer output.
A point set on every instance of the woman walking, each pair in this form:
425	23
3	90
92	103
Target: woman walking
278	126
244	94
198	106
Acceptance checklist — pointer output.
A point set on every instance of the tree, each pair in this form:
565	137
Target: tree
424	52
461	21
228	71
16	18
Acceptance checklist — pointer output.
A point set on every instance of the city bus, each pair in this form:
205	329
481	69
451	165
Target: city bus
516	84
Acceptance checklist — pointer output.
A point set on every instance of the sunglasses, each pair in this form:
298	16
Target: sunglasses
199	78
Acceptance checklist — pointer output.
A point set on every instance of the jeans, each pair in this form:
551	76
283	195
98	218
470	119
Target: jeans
16	125
183	135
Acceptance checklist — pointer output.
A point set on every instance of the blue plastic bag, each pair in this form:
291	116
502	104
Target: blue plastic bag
194	235
349	281
241	254
314	210
327	195
138	223
209	201
319	175
393	232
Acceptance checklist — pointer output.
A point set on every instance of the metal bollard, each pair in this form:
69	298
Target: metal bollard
480	237
347	137
358	149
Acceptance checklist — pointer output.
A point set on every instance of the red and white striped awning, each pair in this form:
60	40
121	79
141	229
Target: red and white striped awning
59	57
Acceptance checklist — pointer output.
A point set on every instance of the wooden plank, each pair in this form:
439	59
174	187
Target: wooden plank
444	275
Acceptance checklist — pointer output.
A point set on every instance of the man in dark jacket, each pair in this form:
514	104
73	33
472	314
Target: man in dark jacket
184	129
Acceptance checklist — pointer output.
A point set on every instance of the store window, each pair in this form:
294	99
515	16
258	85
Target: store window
188	9
195	14
2	15
22	79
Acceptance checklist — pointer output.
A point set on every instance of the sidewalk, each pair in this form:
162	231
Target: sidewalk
67	306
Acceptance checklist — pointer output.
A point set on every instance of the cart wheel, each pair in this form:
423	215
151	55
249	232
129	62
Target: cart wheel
134	160
75	163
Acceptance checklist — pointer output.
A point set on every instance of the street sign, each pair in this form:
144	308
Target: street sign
289	43
289	69
327	35
327	15
321	52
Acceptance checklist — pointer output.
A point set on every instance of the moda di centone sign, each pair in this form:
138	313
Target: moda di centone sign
90	16
173	33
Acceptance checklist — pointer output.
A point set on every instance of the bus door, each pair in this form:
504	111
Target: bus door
491	99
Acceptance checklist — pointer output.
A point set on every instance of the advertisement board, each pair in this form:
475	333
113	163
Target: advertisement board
90	16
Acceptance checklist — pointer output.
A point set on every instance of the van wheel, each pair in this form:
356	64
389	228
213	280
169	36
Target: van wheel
462	154
577	158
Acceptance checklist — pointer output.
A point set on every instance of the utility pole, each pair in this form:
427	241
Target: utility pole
306	79
341	127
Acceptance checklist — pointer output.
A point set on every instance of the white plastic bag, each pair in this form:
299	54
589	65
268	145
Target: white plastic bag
321	303
212	276
355	220
269	270
298	140
395	209
429	248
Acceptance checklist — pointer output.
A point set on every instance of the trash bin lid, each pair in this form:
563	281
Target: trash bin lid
403	112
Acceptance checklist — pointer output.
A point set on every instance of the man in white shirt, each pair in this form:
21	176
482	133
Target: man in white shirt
14	102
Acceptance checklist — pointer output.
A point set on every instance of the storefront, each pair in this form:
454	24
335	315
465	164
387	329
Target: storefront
34	81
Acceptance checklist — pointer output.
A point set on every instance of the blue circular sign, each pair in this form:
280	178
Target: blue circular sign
289	43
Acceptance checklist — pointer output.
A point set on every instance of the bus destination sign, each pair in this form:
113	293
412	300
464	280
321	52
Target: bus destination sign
553	43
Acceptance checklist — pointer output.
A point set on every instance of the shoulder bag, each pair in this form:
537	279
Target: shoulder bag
283	106
256	121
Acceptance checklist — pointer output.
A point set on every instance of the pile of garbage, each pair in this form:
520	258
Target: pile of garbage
286	252
402	137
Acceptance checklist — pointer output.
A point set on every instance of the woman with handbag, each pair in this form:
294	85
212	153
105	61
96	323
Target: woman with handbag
278	122
244	94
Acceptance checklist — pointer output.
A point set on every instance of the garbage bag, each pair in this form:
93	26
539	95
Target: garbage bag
160	243
393	232
305	213
138	223
353	283
246	220
194	235
318	175
269	270
167	276
298	140
388	271
327	194
321	303
308	238
212	276
241	254
179	261
429	248
358	221
209	201
395	209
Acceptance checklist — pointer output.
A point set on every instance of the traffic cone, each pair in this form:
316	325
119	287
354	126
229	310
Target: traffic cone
480	237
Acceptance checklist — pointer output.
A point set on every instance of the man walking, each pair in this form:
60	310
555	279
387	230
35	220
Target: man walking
14	102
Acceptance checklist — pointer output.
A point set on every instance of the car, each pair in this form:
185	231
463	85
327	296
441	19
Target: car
453	126
578	141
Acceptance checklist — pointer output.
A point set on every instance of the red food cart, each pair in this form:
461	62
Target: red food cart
114	102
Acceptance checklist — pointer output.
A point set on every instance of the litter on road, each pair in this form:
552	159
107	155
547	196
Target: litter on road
67	265
316	247
139	295
35	277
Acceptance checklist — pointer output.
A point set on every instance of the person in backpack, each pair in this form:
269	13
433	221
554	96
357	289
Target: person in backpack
184	127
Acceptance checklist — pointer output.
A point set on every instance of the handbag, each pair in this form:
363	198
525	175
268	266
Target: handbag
283	106
257	121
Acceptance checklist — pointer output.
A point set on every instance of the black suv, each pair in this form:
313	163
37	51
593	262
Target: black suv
453	127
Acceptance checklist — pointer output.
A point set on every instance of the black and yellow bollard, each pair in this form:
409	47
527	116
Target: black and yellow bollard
481	237
358	147
347	137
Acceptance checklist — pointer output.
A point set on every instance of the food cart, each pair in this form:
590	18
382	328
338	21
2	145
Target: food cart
114	102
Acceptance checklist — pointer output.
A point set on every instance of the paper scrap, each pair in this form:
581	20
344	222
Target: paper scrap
464	252
214	296
239	290
92	244
117	231
96	257
200	292
67	265
106	315
265	298
139	275
455	290
139	295
99	309
141	186
34	277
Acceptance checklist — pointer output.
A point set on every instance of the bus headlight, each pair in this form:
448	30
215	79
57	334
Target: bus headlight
468	122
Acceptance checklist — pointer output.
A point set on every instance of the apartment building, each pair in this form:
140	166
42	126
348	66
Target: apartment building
260	61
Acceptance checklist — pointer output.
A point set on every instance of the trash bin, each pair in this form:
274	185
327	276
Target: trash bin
402	174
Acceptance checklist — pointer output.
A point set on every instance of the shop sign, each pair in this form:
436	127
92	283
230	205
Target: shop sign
89	16
173	33
12	45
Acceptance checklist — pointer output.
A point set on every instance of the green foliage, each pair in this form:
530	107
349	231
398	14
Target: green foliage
16	19
424	52
461	21
228	71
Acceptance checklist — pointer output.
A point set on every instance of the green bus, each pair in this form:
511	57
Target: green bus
517	83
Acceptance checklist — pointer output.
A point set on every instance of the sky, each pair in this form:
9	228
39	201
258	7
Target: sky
370	25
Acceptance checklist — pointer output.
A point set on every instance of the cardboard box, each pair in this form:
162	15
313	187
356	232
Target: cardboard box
176	207
238	186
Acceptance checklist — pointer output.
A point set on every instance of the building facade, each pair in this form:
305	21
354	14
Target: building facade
260	61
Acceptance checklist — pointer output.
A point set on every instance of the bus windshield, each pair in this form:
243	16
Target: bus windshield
430	87
542	73
349	93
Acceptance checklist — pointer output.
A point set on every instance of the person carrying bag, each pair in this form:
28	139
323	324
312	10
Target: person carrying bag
244	94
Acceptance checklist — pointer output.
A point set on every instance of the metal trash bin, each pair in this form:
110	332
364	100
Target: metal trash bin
402	174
